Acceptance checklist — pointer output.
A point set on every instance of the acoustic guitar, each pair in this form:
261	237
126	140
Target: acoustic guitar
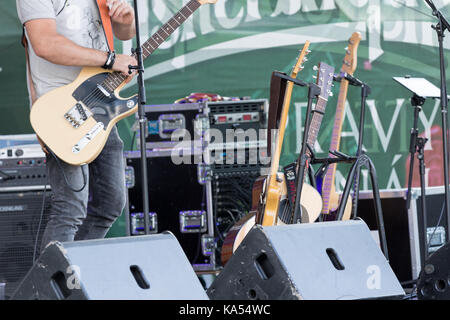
330	197
74	121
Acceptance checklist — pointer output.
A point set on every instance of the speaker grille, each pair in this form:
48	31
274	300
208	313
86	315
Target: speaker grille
20	213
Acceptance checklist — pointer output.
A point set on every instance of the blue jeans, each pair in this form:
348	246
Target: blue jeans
90	213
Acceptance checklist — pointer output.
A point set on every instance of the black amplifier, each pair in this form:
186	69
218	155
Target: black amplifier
22	166
23	218
177	201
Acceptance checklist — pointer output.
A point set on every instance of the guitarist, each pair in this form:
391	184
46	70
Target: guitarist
62	36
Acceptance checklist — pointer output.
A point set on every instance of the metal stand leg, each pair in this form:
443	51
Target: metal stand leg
364	161
421	146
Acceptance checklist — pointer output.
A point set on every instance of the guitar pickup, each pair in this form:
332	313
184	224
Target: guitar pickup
77	115
88	137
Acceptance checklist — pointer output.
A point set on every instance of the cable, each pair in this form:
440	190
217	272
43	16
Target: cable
64	174
40	219
132	141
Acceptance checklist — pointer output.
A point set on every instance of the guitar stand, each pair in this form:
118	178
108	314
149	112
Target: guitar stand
313	92
359	161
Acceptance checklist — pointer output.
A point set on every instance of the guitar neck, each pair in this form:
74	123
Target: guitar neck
316	121
328	182
115	79
167	29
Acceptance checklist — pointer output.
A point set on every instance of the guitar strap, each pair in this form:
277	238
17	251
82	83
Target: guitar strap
31	89
107	28
106	23
290	175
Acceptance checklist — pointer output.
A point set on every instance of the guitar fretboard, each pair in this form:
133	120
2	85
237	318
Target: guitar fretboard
316	121
115	79
334	145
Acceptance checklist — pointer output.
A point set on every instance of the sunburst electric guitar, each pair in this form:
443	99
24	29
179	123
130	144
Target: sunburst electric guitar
74	121
330	197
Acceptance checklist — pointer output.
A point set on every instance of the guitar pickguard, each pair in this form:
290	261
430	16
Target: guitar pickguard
102	102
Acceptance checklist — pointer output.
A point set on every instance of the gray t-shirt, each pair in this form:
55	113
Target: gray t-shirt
77	20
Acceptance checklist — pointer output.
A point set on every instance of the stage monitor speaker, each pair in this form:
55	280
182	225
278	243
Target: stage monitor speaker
22	223
317	261
434	279
150	267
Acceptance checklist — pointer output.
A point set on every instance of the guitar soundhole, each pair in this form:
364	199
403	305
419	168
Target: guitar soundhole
334	258
264	267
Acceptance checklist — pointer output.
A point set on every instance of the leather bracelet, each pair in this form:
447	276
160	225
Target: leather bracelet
110	61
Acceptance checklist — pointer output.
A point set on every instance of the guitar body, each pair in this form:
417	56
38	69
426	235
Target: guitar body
79	144
334	202
311	203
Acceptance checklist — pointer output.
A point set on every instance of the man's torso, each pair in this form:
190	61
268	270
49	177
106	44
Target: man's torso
77	20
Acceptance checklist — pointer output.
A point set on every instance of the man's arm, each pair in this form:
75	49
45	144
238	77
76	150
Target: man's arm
52	46
122	18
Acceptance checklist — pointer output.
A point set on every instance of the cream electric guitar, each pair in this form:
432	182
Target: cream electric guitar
330	197
74	121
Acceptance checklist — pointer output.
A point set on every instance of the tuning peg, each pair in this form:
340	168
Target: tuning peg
314	77
330	93
346	49
308	51
305	59
315	68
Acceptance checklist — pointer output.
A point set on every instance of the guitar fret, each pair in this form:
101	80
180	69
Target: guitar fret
145	51
155	43
185	12
163	36
163	30
173	24
157	38
168	28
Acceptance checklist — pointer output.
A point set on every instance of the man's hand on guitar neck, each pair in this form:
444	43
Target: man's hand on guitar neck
121	64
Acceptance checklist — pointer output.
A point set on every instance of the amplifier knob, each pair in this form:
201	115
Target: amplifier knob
19	152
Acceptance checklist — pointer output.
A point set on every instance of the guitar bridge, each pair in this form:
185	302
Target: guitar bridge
77	115
88	137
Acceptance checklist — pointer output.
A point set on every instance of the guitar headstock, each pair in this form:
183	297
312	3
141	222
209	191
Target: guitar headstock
202	2
325	76
351	58
301	59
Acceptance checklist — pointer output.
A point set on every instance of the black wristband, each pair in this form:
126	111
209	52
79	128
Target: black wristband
110	61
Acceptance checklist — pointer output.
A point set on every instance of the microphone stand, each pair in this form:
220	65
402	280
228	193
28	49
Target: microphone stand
440	28
417	144
142	119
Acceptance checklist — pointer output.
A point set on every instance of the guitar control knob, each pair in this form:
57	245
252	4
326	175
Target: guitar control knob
19	152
